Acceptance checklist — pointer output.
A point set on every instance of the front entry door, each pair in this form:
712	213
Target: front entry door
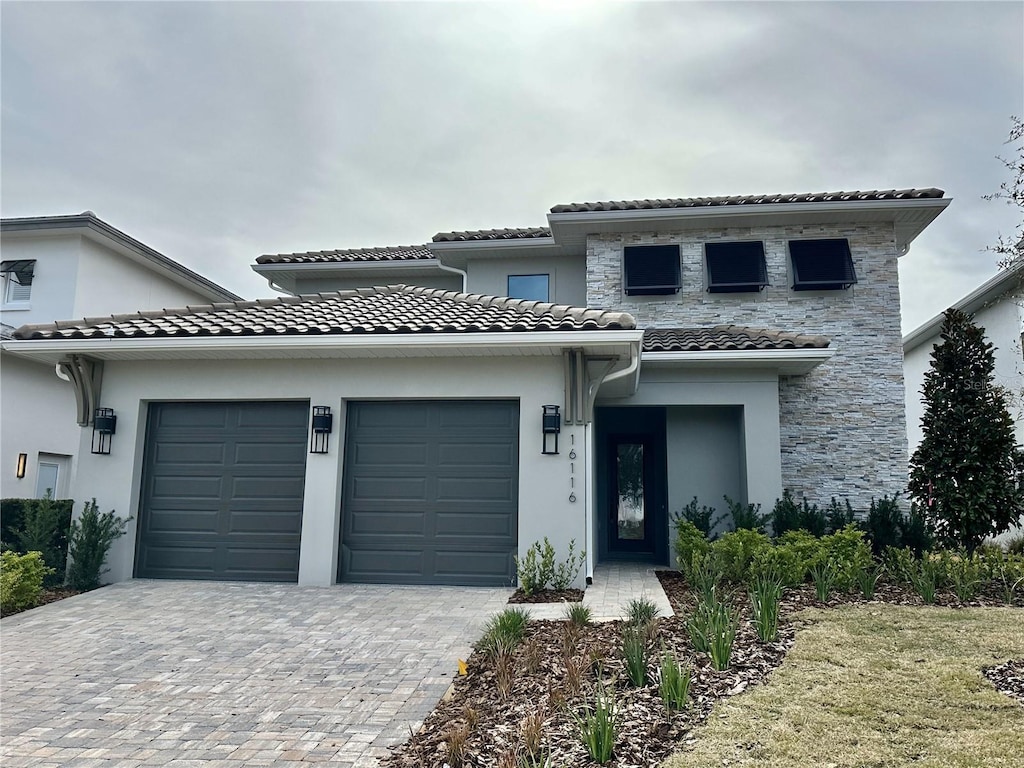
637	497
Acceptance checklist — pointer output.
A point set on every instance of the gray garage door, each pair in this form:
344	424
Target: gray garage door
222	491
430	492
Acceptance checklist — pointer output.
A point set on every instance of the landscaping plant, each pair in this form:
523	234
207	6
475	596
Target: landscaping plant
824	576
21	581
702	517
900	564
736	551
634	654
689	543
790	515
966	472
673	681
507	627
88	543
455	740
746	516
723	622
704	573
565	572
44	529
765	599
925	579
641	611
963	571
867	580
539	567
597	726
838	516
578	614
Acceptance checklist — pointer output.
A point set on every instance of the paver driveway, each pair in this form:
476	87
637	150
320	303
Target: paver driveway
164	673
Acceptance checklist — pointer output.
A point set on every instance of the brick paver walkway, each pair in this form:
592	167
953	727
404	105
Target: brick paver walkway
216	675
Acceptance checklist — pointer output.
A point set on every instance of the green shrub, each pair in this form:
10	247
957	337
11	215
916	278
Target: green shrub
964	573
825	575
44	528
21	580
838	516
790	515
674	682
925	578
848	553
900	564
89	541
746	516
704	573
702	517
799	551
884	524
1015	545
641	611
780	563
689	542
578	614
736	551
867	580
566	571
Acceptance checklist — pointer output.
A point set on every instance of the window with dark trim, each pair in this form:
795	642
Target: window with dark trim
736	267
529	287
822	265
18	275
651	270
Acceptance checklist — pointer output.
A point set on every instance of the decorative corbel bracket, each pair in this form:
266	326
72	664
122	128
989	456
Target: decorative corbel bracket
86	375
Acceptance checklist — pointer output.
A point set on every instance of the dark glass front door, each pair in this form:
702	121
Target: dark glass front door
637	495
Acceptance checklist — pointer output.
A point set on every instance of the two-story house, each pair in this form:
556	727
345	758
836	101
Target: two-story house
58	267
579	381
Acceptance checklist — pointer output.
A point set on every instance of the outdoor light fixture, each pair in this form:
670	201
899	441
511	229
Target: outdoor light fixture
551	425
104	424
323	422
22	461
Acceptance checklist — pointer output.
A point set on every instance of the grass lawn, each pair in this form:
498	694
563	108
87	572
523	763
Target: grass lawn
876	685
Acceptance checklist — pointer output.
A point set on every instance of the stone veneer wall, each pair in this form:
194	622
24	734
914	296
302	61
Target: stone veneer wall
843	425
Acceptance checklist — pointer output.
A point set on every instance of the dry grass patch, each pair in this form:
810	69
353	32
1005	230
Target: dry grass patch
876	686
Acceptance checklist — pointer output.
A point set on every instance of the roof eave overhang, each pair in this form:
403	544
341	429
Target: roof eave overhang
339	268
411	345
459	252
909	217
99	231
786	362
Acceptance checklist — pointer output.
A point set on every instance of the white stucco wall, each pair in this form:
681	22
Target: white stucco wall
449	282
37	414
544	481
53	284
567	283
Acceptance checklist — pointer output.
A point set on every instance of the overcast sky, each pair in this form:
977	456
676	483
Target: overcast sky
216	132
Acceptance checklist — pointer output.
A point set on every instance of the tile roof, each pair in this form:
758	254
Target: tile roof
392	253
512	233
707	202
726	337
390	309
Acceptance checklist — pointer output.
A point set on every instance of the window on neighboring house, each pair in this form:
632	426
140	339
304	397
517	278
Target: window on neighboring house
17	280
651	270
822	265
528	287
736	267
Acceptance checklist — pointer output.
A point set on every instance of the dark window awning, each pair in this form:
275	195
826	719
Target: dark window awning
736	267
822	265
21	270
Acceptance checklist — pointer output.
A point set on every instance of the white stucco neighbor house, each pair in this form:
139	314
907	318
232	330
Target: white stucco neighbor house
392	417
56	267
997	305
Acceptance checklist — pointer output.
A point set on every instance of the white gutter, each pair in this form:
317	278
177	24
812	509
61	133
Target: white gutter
332	266
457	271
323	342
632	368
787	361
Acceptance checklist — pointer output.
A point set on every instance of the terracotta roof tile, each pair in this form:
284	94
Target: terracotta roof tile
520	233
726	337
390	309
392	253
706	202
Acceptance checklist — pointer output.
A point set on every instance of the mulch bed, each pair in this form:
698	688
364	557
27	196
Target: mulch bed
548	596
558	666
48	596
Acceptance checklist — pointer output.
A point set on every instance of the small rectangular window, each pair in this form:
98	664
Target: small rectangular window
18	276
736	267
651	270
528	287
822	265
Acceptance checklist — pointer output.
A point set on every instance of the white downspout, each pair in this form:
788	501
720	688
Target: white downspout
457	271
634	365
275	287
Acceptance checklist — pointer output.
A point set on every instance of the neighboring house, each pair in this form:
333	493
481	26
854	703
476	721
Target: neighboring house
730	346
59	267
997	306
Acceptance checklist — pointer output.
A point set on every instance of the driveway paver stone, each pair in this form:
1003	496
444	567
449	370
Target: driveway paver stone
221	675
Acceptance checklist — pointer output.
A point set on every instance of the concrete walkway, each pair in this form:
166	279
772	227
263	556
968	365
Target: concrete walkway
217	675
615	585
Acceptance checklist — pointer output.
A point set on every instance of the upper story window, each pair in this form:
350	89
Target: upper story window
651	270
736	267
17	280
822	265
529	287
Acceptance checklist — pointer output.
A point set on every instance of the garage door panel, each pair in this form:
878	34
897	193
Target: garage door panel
237	515
179	486
476	488
426	478
476	454
389	522
474	524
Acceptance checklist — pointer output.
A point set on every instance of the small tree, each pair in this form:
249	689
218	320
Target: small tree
1010	248
965	475
90	540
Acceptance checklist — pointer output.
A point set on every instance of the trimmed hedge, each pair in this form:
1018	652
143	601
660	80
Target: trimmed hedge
14	513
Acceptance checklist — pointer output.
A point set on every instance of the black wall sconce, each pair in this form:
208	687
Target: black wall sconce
22	462
323	423
551	425
104	424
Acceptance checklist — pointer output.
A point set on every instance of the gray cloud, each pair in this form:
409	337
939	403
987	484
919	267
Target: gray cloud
219	131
